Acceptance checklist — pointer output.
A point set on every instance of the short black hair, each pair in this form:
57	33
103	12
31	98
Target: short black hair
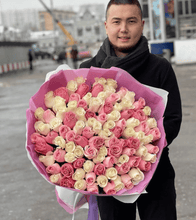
121	2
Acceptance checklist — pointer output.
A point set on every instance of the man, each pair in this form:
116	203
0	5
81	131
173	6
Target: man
126	48
74	56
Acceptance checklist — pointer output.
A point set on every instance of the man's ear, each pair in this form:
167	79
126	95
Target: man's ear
105	23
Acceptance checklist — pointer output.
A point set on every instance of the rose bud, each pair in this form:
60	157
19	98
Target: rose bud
126	179
82	89
67	182
49	99
88	166
67	170
51	136
59	155
56	178
97	89
92	188
53	169
70	119
80	185
156	133
39	112
144	165
152	149
43	147
90	178
47	160
62	92
48	115
109	189
63	129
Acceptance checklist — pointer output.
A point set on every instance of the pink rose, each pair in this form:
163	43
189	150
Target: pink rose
122	92
121	123
59	155
67	182
78	163
62	92
129	151
83	104
134	161
115	150
70	119
123	168
99	169
140	115
81	140
48	115
152	149
144	165
67	170
82	89
70	135
126	114
48	159
51	136
93	188
110	188
89	114
37	137
90	152
97	88
63	129
110	161
117	131
132	143
88	132
114	141
53	169
113	98
126	179
42	147
90	178
102	118
155	132
142	127
96	142
74	97
107	108
139	104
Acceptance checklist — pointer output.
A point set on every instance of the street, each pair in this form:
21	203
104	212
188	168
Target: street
26	195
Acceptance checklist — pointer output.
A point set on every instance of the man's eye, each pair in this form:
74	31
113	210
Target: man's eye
116	22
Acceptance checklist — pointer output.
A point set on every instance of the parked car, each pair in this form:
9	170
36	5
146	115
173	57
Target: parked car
42	54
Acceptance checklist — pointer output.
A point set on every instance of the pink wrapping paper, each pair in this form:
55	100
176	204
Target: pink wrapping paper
154	101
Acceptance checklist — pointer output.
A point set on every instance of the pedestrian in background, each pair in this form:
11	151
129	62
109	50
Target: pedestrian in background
30	59
74	56
62	57
127	48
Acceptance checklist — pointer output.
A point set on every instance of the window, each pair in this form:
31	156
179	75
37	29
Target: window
88	29
97	30
193	6
80	31
180	8
186	7
145	11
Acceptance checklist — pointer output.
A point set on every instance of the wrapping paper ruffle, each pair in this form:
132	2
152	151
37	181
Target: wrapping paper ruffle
124	79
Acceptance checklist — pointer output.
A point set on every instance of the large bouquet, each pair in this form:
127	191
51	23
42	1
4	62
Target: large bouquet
96	131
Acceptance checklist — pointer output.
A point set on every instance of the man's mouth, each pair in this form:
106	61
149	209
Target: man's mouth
124	38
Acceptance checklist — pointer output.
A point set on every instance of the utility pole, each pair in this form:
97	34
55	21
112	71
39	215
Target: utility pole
54	25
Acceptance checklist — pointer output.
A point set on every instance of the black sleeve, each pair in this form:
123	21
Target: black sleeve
173	112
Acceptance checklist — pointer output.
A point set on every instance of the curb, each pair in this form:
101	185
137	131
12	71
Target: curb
13	66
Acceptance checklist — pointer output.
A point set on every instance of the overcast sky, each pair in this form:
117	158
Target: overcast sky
28	4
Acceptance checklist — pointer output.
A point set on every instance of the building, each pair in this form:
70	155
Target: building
89	24
183	23
22	19
46	20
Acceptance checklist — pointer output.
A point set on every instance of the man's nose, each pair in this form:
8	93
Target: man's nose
123	27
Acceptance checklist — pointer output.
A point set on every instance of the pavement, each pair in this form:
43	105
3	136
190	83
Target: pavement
25	195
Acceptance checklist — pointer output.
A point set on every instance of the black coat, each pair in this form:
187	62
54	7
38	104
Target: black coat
154	71
150	70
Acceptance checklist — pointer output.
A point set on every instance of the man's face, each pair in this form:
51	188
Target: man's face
124	26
